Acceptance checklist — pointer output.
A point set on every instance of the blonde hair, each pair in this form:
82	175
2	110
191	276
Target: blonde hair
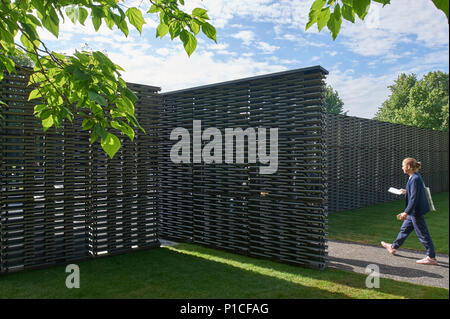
415	165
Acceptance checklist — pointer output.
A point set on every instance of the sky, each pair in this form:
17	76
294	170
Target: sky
257	37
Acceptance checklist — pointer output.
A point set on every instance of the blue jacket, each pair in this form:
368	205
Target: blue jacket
416	199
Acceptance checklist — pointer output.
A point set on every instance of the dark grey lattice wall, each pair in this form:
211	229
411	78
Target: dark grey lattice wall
232	206
365	159
62	199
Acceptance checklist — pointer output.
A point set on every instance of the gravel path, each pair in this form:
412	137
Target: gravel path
402	266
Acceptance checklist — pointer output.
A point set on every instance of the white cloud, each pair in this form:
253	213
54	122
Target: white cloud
246	36
218	46
379	35
300	40
437	60
282	61
266	48
402	21
163	51
177	71
362	94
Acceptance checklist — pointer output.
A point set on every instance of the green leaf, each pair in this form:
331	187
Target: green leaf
79	75
39	5
6	36
100	130
103	59
189	42
135	17
125	105
33	20
335	21
87	124
323	18
110	144
34	95
313	14
8	63
116	125
442	5
318	5
47	123
94	137
361	8
30	31
84	58
162	30
127	130
175	29
97	22
97	98
38	108
123	26
195	27
209	31
96	109
45	113
153	9
129	94
50	25
199	12
83	14
348	13
67	113
109	22
72	13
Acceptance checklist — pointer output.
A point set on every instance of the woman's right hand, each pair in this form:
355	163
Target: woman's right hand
403	191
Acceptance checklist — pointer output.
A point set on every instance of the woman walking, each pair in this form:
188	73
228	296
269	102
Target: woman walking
414	215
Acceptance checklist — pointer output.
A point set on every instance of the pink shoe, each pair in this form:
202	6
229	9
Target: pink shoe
427	261
389	248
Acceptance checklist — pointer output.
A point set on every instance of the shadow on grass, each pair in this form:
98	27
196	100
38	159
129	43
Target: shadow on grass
333	276
158	273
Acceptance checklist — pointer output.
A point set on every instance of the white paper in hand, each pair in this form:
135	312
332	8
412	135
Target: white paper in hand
395	191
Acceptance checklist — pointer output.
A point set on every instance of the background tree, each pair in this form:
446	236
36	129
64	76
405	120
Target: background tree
330	12
423	103
398	98
87	84
332	101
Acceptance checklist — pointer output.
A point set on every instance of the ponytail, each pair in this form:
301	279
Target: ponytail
415	165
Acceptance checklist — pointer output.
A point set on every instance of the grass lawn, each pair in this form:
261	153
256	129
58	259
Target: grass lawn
191	271
373	224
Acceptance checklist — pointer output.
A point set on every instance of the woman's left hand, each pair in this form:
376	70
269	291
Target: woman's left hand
402	216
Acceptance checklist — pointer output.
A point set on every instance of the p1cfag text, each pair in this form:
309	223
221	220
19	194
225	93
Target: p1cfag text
243	308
